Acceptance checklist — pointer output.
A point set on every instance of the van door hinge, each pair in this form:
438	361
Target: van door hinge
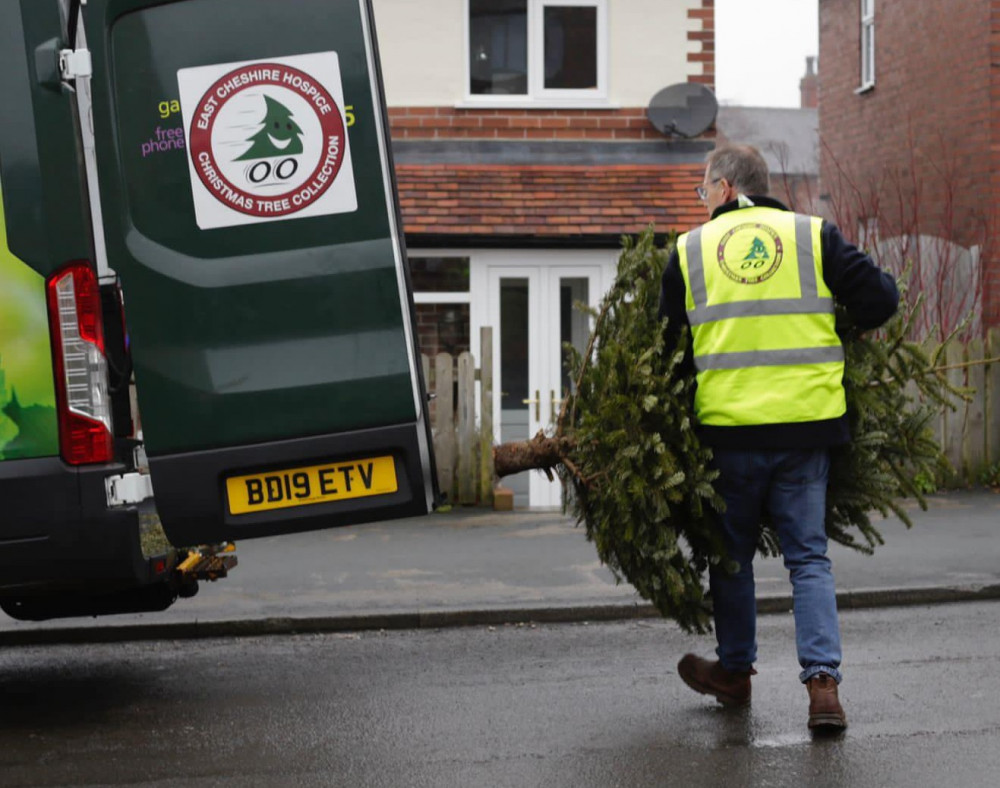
128	488
75	64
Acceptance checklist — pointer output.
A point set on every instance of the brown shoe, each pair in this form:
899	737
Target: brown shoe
710	678
826	715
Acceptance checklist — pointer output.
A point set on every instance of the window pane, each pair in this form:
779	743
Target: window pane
442	328
498	47
570	47
439	274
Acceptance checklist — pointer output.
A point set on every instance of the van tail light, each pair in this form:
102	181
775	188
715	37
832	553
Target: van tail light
81	368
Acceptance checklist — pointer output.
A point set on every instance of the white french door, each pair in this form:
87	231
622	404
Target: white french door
532	309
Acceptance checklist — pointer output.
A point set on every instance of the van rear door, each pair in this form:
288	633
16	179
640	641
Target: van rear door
250	212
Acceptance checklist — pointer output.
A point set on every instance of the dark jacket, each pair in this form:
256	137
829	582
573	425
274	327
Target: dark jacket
869	295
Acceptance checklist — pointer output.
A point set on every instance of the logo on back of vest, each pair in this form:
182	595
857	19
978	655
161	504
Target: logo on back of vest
750	253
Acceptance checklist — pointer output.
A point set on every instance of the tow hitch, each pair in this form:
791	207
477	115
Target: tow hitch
208	562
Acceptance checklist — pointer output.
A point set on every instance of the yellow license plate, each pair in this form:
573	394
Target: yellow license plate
335	481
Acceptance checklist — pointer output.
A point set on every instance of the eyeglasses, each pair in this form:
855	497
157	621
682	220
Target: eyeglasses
702	192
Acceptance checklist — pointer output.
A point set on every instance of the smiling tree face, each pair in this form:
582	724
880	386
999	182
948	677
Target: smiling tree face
279	136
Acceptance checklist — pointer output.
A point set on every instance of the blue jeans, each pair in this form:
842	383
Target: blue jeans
791	487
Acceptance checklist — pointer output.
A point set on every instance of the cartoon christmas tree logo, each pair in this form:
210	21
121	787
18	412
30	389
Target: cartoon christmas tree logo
757	250
279	135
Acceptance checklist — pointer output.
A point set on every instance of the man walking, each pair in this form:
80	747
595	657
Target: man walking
756	286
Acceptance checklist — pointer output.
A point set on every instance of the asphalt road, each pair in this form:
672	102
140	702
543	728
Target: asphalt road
560	705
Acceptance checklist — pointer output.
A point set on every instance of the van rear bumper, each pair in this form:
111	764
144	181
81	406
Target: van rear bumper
191	497
57	532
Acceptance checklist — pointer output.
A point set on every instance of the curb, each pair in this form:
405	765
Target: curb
446	619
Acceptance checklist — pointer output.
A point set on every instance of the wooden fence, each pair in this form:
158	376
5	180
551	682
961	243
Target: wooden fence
970	435
462	423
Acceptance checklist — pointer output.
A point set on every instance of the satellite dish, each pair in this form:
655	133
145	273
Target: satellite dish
683	110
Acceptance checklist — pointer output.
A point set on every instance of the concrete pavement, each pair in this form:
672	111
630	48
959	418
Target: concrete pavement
471	566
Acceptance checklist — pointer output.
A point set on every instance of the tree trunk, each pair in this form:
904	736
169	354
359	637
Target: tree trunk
540	453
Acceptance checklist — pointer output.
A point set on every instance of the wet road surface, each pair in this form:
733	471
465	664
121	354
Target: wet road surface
563	705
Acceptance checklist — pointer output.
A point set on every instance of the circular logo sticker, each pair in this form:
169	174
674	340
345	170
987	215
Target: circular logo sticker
267	140
750	253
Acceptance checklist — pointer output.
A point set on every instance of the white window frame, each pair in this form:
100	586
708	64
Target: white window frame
537	96
867	45
434	297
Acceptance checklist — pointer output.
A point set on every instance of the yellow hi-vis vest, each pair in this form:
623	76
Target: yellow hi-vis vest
762	320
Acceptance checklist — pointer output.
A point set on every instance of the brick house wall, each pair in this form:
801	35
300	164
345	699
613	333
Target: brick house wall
531	124
921	140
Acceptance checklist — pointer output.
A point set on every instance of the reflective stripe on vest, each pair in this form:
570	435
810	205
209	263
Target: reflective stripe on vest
762	323
771	358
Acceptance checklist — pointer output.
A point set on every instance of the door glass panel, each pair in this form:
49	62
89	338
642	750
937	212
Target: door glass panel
513	386
574	330
570	47
513	343
574	324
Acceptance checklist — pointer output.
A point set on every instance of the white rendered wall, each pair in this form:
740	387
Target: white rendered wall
649	48
423	49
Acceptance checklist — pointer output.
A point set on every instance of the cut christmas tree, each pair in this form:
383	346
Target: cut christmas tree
641	482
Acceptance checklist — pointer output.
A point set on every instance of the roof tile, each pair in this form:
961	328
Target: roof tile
548	200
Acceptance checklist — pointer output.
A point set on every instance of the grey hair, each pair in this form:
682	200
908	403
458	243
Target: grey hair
743	166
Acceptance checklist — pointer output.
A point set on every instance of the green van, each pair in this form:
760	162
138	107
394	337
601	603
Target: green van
197	199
